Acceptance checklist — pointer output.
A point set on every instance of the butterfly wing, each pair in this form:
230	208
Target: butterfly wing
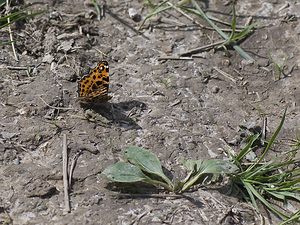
95	85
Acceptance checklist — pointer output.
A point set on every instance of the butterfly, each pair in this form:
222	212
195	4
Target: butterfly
93	87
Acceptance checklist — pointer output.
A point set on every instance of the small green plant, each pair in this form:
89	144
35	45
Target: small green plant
278	60
278	70
167	82
261	181
190	8
237	36
143	166
12	17
295	143
268	181
99	9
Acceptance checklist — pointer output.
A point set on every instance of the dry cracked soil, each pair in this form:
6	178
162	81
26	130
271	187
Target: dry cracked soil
188	108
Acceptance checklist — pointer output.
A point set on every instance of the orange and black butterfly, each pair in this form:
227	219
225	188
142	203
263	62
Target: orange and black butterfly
94	86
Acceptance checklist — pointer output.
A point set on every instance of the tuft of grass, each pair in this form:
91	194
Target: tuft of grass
191	7
278	69
12	17
268	182
295	144
99	9
15	16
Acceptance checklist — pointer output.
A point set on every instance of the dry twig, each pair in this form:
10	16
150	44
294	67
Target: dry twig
65	174
54	107
228	76
174	58
72	167
202	48
10	32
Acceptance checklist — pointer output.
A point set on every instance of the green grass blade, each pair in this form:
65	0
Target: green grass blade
270	143
158	9
293	219
247	148
258	172
2	2
96	6
253	192
277	195
286	194
267	148
250	193
198	11
2	43
233	25
244	33
16	16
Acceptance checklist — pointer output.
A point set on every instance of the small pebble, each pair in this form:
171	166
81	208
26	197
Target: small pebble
54	15
215	89
226	62
133	14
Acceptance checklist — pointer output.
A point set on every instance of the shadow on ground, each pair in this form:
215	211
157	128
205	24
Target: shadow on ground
120	114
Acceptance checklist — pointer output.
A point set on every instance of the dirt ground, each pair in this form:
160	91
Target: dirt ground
178	109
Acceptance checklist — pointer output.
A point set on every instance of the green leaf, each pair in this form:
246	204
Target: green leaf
200	168
124	172
146	161
211	166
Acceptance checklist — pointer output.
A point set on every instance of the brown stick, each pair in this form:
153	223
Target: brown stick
65	174
200	49
228	76
10	32
72	167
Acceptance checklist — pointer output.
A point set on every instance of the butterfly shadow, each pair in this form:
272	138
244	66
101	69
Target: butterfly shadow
122	114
